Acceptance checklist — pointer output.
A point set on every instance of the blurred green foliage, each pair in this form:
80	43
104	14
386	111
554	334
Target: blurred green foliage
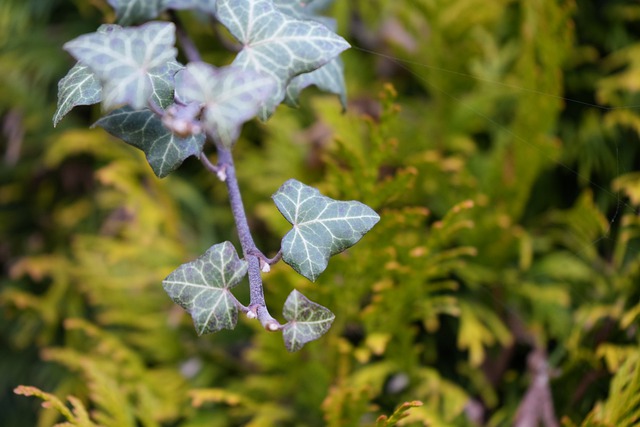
504	164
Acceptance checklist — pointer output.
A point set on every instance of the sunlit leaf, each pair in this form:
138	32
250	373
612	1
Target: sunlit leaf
321	226
136	11
202	287
230	96
126	59
144	130
307	321
276	43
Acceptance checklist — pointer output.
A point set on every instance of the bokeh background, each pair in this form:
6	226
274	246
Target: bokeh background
499	141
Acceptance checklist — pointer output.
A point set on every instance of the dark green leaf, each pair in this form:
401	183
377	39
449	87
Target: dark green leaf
144	130
321	226
79	87
307	321
202	288
130	12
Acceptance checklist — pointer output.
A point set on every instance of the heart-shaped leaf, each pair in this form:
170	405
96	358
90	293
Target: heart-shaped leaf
79	87
144	130
230	96
321	226
126	59
130	12
202	288
307	321
206	6
276	43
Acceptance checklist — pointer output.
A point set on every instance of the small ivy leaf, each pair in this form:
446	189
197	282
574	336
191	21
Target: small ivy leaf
230	97
79	87
276	43
162	83
307	321
322	227
328	78
202	288
143	129
206	6
130	12
125	59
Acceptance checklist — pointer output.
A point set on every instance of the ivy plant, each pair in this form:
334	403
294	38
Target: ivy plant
172	111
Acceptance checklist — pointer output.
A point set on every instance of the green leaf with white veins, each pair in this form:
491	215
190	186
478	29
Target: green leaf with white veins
144	130
307	321
230	96
322	227
130	12
276	43
79	87
328	78
125	59
202	287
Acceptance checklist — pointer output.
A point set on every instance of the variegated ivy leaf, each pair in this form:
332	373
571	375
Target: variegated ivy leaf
206	6
230	96
307	321
79	87
144	130
130	12
203	288
322	227
276	43
126	59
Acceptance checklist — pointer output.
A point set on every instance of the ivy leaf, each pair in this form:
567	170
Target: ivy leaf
144	130
202	288
130	12
322	227
163	84
125	59
276	43
79	87
230	96
328	78
206	6
307	321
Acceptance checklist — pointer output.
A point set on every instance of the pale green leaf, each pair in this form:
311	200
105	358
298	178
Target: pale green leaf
130	12
79	87
276	43
307	321
144	130
230	96
321	226
126	59
202	287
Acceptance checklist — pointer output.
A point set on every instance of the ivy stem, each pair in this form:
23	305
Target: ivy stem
257	306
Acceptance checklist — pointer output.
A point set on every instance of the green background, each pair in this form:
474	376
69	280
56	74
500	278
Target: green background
499	142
